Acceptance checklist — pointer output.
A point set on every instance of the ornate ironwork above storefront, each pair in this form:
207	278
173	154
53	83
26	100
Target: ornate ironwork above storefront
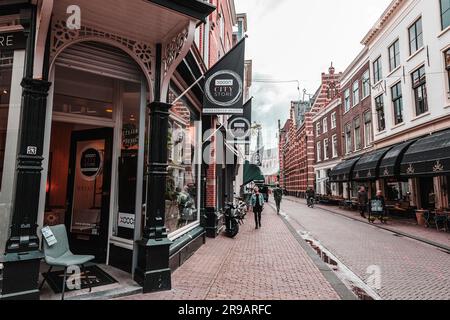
62	37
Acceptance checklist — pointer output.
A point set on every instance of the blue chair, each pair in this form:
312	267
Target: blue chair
59	255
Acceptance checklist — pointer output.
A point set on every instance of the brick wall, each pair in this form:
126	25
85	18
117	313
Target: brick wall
333	108
299	148
359	110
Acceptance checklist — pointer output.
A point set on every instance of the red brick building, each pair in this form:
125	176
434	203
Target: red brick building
357	126
328	145
297	141
220	39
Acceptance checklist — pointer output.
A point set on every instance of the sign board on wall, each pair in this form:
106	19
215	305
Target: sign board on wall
126	220
224	87
12	41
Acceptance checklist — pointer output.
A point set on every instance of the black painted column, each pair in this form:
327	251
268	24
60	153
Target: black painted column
22	257
153	272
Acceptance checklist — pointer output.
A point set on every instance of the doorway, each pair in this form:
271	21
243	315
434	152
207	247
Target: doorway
427	193
95	175
88	191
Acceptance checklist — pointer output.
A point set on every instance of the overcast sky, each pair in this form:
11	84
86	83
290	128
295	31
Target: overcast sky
298	40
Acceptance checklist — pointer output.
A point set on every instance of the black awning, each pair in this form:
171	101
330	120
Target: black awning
390	165
367	167
197	9
428	157
343	171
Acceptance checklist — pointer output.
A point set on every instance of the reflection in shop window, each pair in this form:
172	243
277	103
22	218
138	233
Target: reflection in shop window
182	189
6	62
128	161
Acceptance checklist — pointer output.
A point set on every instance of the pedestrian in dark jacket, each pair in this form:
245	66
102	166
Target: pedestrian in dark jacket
363	200
257	203
278	196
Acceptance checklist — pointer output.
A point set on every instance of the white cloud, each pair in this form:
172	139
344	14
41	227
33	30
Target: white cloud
298	39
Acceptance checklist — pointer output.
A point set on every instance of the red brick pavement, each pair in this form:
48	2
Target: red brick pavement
410	270
266	264
408	227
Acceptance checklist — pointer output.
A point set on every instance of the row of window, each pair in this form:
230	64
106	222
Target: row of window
353	138
354	142
416	42
358	93
326	149
322	126
419	88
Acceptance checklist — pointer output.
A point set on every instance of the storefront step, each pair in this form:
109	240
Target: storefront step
110	294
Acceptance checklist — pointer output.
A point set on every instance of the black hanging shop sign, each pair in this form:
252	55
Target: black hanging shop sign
224	85
12	41
240	126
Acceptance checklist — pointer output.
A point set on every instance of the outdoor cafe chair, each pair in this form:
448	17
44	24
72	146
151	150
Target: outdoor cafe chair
59	255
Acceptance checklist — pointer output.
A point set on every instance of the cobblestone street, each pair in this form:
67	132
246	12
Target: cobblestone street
409	269
257	265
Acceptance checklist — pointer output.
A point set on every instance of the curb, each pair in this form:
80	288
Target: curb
336	283
403	234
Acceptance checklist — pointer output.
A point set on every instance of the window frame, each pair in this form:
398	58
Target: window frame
325	125
335	146
333	120
347	104
357	134
318	129
326	149
447	68
442	15
381	122
368	123
420	85
417	36
356	98
377	70
319	151
394	55
348	138
366	82
397	103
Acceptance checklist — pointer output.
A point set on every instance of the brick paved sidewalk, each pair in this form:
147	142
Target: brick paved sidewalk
407	227
266	264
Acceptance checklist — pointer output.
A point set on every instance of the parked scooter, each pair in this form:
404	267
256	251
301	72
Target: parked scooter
234	217
231	220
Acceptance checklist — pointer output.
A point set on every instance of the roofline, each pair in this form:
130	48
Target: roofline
357	64
382	21
196	9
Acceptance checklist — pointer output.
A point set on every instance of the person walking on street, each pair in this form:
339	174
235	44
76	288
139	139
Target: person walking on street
257	203
363	201
278	196
310	196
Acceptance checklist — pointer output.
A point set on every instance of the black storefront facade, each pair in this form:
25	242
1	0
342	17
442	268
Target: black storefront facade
414	173
101	95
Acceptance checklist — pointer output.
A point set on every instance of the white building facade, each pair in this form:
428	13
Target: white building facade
409	54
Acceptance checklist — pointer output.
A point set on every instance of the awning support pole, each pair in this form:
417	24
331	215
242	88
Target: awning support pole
188	89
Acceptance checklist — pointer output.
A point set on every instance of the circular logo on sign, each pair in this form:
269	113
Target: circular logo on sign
224	88
240	128
91	164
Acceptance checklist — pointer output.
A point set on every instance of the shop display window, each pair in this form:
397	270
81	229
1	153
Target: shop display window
6	63
182	193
